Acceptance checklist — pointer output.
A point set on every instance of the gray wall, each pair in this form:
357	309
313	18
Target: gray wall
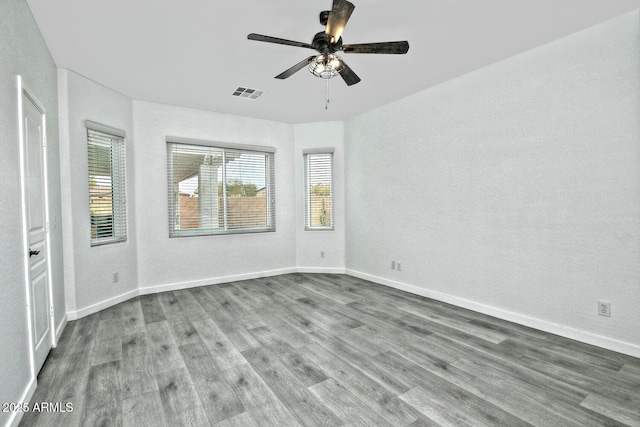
23	52
165	263
311	243
89	270
513	190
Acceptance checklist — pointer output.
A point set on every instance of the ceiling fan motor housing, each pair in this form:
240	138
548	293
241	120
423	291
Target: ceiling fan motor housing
321	43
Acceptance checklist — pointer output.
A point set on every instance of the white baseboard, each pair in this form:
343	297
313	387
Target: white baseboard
321	270
16	417
213	281
60	328
94	308
542	325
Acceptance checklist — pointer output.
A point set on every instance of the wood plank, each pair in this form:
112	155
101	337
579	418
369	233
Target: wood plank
152	309
71	379
225	355
285	330
111	313
337	296
132	317
180	401
108	342
226	299
586	369
241	420
524	400
303	405
373	394
295	359
263	406
314	303
299	363
170	305
436	403
217	398
250	292
143	410
164	349
183	330
553	387
615	404
285	286
190	308
226	321
363	362
102	402
138	373
346	405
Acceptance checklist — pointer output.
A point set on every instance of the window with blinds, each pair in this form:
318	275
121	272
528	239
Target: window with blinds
318	189
107	195
217	188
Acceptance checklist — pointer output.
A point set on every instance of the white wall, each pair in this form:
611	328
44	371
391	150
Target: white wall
23	52
89	270
311	243
165	263
513	190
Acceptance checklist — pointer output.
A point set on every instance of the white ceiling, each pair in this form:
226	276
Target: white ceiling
195	53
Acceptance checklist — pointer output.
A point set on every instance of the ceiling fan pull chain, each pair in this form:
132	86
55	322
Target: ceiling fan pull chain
326	105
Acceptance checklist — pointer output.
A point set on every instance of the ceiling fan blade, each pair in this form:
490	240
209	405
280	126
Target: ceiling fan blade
340	13
347	74
276	40
385	47
299	66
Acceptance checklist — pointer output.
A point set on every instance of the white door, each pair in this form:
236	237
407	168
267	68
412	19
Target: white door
35	210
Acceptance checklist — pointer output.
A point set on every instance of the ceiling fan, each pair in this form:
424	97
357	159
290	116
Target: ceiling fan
328	42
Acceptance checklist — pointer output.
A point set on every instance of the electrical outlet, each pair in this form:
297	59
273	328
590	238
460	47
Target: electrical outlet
393	265
115	278
398	266
604	308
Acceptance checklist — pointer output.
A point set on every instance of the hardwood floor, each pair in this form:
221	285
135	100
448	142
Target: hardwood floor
324	350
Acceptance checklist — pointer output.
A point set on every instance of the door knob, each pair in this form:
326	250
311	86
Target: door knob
32	253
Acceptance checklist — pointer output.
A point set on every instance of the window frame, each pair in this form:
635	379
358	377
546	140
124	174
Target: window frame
308	154
225	147
99	135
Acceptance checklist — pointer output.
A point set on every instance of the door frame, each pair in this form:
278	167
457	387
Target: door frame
23	89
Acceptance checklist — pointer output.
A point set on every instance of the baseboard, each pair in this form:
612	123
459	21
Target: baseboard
321	270
16	416
60	328
542	325
94	308
213	281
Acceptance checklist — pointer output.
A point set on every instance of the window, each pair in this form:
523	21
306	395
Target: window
219	188
107	195
318	189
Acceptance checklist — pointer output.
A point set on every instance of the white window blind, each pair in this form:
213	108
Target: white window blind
318	189
107	195
219	189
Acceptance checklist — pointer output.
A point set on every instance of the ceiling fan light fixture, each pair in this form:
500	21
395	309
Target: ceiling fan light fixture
325	66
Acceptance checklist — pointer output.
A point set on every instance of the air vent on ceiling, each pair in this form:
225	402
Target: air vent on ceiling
244	92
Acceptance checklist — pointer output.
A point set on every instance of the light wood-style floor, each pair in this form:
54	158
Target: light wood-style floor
324	350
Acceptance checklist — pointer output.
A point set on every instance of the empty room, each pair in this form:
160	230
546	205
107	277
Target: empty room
327	213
